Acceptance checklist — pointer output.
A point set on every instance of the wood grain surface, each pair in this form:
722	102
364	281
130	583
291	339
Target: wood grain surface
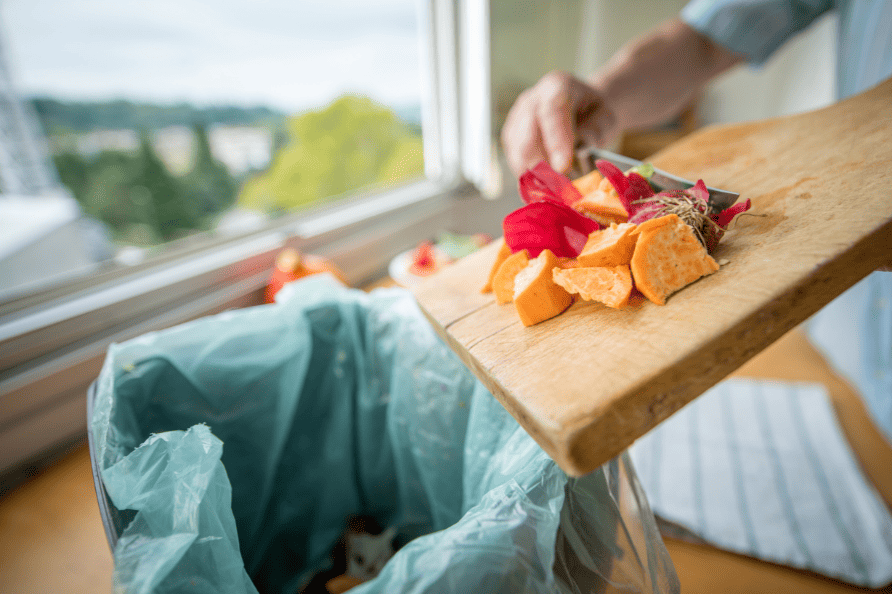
589	382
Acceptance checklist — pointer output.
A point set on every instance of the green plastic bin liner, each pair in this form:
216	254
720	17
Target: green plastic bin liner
234	448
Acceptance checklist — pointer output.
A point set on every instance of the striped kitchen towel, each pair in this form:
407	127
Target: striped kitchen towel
762	468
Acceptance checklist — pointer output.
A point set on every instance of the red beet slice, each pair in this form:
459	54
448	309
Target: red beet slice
547	225
543	183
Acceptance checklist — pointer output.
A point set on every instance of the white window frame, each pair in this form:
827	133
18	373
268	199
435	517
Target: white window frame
53	339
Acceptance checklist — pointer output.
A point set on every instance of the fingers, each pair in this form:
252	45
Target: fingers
521	139
546	121
555	112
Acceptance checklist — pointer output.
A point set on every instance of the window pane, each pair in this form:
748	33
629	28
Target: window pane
169	118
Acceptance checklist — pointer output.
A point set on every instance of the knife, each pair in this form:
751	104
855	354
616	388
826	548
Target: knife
719	200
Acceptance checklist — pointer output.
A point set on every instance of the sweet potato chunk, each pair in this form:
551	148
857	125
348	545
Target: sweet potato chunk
536	296
668	257
612	246
588	183
611	286
503	281
603	205
501	256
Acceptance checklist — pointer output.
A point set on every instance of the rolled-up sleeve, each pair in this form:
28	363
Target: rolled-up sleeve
753	29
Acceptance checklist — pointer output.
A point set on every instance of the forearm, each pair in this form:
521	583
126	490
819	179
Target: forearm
654	77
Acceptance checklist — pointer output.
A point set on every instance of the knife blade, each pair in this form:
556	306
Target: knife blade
585	160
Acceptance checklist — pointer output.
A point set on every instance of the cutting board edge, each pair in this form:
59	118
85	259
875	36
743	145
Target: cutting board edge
547	437
759	329
484	257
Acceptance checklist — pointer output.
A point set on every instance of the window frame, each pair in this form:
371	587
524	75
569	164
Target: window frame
53	338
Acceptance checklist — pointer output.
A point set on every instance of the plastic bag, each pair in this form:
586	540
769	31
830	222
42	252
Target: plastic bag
244	441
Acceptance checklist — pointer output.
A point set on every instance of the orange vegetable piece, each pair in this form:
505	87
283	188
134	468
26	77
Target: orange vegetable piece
588	183
612	246
568	262
603	204
668	257
611	286
292	265
501	256
536	296
342	583
503	281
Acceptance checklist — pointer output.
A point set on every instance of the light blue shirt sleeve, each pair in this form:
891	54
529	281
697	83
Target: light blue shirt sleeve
753	29
854	333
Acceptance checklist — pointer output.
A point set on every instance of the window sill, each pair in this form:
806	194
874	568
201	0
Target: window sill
53	343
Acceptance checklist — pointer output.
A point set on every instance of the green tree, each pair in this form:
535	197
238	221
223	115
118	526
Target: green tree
108	195
74	173
353	143
163	201
133	195
137	197
61	117
208	186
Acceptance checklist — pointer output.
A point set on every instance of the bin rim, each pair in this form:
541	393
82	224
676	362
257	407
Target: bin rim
107	510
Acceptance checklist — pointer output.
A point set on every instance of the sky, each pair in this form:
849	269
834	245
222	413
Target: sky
289	55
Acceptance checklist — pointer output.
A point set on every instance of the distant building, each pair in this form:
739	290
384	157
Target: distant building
92	143
43	234
242	148
25	167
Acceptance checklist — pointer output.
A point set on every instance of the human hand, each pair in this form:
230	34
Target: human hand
549	118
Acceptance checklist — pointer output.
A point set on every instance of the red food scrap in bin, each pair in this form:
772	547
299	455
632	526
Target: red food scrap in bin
292	265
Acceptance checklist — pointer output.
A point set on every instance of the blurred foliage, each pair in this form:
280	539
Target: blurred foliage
139	200
353	143
208	185
66	117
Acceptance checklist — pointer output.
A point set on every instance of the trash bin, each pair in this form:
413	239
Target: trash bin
229	453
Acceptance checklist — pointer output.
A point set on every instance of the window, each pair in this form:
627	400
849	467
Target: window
167	121
55	327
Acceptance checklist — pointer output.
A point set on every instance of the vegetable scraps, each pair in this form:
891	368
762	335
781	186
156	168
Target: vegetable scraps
555	250
536	296
691	205
292	265
424	262
548	220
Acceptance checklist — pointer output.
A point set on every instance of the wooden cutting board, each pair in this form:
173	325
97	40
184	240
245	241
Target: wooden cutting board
591	381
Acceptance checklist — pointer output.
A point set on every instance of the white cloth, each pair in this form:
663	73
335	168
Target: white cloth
762	468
